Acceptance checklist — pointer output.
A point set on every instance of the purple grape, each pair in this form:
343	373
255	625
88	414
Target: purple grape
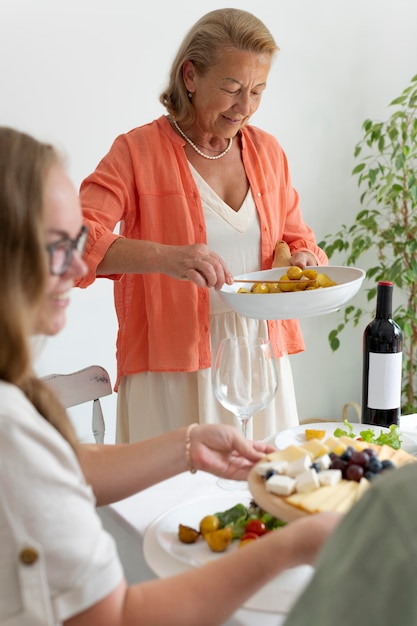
354	472
359	458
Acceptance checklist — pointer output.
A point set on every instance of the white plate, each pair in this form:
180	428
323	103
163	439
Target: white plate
190	514
299	304
296	436
166	556
408	424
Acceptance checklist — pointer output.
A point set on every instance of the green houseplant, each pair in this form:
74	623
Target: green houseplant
383	237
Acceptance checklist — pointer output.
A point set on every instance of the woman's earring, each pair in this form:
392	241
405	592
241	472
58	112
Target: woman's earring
190	95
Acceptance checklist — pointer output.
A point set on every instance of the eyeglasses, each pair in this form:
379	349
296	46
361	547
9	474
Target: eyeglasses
61	252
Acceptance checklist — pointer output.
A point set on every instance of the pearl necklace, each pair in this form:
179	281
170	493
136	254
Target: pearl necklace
192	144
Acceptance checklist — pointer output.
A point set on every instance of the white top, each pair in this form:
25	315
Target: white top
46	505
234	235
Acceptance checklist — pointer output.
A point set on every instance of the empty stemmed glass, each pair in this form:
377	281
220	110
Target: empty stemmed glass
245	380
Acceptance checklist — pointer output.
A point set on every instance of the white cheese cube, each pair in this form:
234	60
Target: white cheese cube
299	466
307	481
265	466
323	462
330	477
280	485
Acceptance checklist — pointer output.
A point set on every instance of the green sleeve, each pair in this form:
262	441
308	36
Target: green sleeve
367	571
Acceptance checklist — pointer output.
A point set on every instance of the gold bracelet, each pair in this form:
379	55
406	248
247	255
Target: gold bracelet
188	448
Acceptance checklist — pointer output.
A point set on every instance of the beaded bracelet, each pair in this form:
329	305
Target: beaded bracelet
188	448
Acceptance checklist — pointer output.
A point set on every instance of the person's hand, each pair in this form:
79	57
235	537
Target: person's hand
303	259
223	451
305	537
198	264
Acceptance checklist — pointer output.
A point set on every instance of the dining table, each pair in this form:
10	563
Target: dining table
143	526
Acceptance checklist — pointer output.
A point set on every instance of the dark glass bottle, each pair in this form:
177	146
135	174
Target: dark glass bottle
382	364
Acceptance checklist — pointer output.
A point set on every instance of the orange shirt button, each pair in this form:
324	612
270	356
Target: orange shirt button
28	556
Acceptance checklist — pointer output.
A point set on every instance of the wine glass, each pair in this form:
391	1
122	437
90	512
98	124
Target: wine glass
245	380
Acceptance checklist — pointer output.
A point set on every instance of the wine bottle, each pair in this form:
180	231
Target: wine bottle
382	363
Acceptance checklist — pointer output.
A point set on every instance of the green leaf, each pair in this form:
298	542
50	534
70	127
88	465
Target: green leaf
359	168
382	238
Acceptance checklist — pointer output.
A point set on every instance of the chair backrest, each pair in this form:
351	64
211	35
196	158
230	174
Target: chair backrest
88	384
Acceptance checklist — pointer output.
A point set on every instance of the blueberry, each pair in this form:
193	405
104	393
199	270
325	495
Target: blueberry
374	465
387	464
369	475
270	473
315	466
347	454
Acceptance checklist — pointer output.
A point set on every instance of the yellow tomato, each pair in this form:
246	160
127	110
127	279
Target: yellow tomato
219	540
208	524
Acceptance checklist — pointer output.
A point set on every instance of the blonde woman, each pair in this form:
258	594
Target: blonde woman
202	195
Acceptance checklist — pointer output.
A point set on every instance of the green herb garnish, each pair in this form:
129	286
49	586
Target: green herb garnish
339	432
392	438
238	516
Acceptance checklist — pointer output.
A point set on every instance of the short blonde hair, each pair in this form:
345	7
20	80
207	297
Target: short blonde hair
203	44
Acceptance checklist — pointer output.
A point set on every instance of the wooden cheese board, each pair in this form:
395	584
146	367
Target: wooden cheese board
340	497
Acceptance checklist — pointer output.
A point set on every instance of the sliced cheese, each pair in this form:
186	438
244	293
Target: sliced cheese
349	499
328	498
316	447
364	485
265	466
356	444
292	453
335	445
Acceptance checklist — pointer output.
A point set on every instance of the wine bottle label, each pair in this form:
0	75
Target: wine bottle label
384	380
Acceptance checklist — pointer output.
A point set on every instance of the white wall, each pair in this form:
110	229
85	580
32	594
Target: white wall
79	72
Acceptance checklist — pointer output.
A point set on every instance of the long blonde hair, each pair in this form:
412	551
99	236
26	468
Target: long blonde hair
203	45
24	165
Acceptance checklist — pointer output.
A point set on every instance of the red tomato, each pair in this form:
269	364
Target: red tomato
256	526
247	537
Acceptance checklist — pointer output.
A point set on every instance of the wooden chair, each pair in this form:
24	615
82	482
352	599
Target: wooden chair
88	384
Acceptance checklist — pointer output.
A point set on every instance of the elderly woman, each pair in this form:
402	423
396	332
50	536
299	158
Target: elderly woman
201	195
57	564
